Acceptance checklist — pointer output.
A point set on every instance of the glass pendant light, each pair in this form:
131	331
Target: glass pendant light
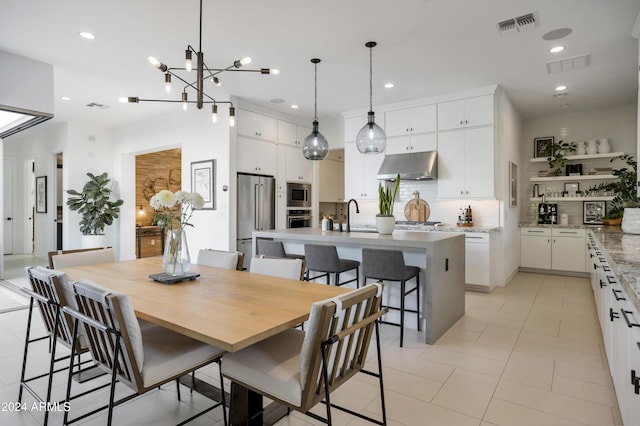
315	146
371	138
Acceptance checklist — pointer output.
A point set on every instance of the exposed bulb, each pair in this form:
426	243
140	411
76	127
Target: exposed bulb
187	55
167	82
216	81
153	61
184	101
214	113
245	61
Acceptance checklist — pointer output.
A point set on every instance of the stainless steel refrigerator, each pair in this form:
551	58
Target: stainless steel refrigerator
256	209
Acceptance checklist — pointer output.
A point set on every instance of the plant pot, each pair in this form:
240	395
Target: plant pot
94	241
631	220
612	222
176	259
385	224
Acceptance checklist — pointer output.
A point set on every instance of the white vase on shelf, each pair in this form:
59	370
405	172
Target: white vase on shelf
581	149
604	146
592	147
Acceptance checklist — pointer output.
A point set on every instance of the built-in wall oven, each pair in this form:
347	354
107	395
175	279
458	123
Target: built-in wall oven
299	218
299	195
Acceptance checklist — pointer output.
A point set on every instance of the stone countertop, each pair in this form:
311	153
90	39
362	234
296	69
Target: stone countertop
622	251
570	226
442	227
397	239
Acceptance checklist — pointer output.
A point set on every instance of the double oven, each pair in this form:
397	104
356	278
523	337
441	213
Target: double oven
299	205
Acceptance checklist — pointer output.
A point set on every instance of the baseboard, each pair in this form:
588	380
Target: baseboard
555	272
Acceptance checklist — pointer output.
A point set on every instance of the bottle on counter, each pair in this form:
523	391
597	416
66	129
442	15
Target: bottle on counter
330	223
325	222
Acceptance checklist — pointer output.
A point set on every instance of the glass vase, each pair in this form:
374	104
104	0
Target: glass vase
176	259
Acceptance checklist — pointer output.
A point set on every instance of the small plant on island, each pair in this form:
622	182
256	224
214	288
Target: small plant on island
386	198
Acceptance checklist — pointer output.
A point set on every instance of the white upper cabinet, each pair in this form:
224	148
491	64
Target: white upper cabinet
255	156
258	126
360	173
465	164
292	134
299	169
463	113
409	121
409	144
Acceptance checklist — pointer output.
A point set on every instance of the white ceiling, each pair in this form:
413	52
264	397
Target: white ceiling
425	47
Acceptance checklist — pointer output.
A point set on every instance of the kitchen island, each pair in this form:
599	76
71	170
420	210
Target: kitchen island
440	256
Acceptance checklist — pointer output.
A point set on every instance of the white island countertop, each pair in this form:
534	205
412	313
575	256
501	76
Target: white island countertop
439	255
414	239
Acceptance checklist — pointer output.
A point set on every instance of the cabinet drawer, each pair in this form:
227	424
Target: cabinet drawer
476	237
546	232
578	233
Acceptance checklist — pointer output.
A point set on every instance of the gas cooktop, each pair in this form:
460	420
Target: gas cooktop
410	222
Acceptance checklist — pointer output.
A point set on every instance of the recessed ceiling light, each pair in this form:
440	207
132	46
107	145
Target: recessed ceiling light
277	101
87	35
388	85
556	49
561	88
65	98
294	106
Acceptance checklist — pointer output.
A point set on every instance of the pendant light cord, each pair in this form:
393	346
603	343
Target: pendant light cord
315	93
371	78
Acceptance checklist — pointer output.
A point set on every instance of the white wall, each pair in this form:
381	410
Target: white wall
200	140
619	124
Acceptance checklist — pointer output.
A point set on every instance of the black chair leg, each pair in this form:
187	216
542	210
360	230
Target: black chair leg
178	388
418	301
328	278
402	296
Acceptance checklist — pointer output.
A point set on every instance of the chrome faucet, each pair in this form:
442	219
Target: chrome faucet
348	213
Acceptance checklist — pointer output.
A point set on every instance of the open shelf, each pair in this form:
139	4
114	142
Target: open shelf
581	157
570	178
571	199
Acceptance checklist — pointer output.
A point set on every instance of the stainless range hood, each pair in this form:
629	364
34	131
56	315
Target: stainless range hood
414	166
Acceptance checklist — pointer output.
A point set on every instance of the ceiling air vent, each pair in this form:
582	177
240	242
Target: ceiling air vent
568	64
97	105
519	24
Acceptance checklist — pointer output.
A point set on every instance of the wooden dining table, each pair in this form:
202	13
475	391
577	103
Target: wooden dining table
226	308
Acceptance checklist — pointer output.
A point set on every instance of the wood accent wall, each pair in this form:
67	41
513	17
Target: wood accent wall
154	172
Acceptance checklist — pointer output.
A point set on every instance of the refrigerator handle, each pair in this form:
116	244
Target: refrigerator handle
256	213
261	208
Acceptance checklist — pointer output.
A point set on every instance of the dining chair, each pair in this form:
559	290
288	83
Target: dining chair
141	358
301	369
51	291
221	259
388	265
71	258
324	258
278	267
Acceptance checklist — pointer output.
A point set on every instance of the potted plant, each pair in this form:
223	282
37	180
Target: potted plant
385	221
555	156
96	208
624	187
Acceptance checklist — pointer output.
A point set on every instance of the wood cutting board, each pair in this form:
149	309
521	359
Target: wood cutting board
417	210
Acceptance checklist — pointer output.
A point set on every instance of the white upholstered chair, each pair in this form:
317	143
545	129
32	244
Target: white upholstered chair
83	257
278	267
301	369
140	358
221	259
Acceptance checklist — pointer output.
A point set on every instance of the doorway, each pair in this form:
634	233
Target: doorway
8	205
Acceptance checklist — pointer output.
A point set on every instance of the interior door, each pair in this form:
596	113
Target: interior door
9	219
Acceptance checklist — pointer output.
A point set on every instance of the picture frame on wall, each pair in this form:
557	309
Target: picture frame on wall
593	212
540	145
203	180
41	194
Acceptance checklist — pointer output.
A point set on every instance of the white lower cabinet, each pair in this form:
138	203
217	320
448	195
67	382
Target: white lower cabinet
558	249
620	324
478	258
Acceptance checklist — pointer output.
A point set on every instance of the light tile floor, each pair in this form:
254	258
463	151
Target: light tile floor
527	354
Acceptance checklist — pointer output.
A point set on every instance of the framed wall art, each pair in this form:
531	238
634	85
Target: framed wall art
540	146
593	212
203	180
41	194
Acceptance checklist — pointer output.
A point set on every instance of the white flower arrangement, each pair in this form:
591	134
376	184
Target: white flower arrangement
167	203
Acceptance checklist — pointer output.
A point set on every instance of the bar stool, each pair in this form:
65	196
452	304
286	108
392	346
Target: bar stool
388	265
321	258
272	248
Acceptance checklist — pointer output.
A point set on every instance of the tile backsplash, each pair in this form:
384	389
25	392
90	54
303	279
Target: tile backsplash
485	213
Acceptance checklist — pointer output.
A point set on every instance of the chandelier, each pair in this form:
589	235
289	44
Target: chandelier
203	73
